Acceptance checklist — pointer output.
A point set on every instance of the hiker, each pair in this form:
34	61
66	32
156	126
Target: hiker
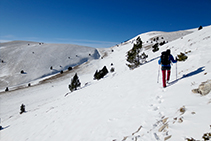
165	62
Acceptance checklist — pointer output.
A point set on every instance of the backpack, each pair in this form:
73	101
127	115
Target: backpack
165	58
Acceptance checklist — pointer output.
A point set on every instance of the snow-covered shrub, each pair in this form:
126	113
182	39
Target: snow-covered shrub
182	57
188	52
100	74
182	110
191	139
22	108
133	54
75	83
207	136
143	57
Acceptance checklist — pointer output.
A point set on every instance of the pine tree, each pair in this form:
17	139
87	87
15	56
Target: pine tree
101	73
7	89
200	28
96	75
133	56
155	47
143	57
22	108
75	83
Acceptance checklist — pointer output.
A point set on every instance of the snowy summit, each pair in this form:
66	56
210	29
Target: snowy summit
125	104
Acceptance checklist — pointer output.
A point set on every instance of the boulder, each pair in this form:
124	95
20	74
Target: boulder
204	88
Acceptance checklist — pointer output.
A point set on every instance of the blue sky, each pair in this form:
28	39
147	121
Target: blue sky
97	23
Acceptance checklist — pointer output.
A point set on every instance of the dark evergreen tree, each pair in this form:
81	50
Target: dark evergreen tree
22	108
143	57
112	69
162	43
7	89
70	68
104	71
200	28
133	54
100	74
75	83
22	72
96	75
155	47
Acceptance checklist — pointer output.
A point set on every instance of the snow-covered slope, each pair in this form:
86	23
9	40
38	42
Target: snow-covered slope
36	60
126	105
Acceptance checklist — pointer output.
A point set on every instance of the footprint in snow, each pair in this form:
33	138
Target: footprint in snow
159	99
154	107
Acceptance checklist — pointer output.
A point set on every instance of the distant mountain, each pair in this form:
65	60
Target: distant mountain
38	60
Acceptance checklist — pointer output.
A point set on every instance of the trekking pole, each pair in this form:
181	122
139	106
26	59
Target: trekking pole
176	70
158	74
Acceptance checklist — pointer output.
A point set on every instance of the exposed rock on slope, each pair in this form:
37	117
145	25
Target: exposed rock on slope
204	88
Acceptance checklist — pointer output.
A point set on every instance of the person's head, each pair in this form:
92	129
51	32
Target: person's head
168	51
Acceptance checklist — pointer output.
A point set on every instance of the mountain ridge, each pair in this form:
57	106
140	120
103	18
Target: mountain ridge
125	105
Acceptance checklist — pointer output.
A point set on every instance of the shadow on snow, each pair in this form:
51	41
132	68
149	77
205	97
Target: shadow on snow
2	128
199	70
149	61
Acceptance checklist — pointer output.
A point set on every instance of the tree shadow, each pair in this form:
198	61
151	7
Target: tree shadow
2	128
199	70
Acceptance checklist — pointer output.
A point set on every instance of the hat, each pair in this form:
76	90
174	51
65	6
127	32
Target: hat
168	51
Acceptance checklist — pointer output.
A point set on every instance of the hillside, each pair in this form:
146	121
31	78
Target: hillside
125	105
38	60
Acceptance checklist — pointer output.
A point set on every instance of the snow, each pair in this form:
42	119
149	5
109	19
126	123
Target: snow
124	105
36	59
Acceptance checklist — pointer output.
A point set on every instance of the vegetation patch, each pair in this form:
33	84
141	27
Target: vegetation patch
205	137
182	57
